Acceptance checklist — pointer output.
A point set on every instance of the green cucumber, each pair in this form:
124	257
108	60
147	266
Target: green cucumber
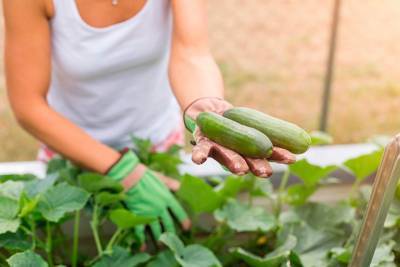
244	140
282	133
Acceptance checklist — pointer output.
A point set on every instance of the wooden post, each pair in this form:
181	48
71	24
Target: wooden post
382	196
330	67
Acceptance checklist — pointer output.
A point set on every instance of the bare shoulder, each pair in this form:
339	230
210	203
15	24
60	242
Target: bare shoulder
27	10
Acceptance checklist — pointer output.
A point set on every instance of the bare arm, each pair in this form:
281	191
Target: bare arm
193	71
28	64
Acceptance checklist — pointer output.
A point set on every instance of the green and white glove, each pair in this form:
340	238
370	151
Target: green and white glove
147	196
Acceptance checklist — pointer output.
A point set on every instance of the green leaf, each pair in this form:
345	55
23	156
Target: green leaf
35	187
365	165
9	209
262	187
165	163
15	241
12	189
61	199
64	169
125	219
17	177
320	138
318	229
384	256
298	194
198	195
93	183
142	148
107	198
340	254
190	256
56	165
26	259
310	174
242	218
323	216
28	205
274	259
231	186
122	258
164	259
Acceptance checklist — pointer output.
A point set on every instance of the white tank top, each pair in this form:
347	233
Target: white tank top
113	81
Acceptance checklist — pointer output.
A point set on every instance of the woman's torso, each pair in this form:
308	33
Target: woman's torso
113	81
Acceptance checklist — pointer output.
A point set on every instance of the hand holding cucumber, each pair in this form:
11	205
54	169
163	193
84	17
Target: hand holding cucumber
240	142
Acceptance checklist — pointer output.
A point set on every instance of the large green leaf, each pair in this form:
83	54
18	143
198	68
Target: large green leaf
309	173
318	228
35	187
15	241
231	186
125	219
164	259
93	183
26	259
323	216
9	209
61	199
365	165
314	245
190	256
241	217
12	189
17	177
165	163
262	187
276	258
122	258
320	138
298	194
384	256
106	198
198	195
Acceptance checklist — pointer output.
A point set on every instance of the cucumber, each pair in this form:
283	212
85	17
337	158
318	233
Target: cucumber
244	140
281	133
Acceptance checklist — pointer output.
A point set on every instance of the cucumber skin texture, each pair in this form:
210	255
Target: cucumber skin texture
282	133
244	140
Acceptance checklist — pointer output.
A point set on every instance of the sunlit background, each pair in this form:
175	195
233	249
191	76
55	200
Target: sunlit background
273	57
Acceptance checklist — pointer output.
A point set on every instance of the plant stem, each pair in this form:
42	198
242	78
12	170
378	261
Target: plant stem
113	239
94	225
75	242
49	244
355	188
33	227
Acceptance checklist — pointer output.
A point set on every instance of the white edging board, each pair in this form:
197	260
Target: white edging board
324	155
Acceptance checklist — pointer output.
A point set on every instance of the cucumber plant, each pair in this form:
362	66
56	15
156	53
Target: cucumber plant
237	220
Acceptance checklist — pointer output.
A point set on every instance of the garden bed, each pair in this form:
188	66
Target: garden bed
303	216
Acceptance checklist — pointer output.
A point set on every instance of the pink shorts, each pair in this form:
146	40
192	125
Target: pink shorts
177	137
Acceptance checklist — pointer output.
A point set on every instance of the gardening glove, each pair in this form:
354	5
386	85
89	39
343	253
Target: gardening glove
204	147
148	196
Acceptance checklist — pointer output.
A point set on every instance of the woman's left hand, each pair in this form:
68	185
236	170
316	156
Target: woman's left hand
235	162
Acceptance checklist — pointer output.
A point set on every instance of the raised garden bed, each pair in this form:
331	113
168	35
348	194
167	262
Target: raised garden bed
237	221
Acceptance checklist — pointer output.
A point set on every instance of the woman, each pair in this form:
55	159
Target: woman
85	75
